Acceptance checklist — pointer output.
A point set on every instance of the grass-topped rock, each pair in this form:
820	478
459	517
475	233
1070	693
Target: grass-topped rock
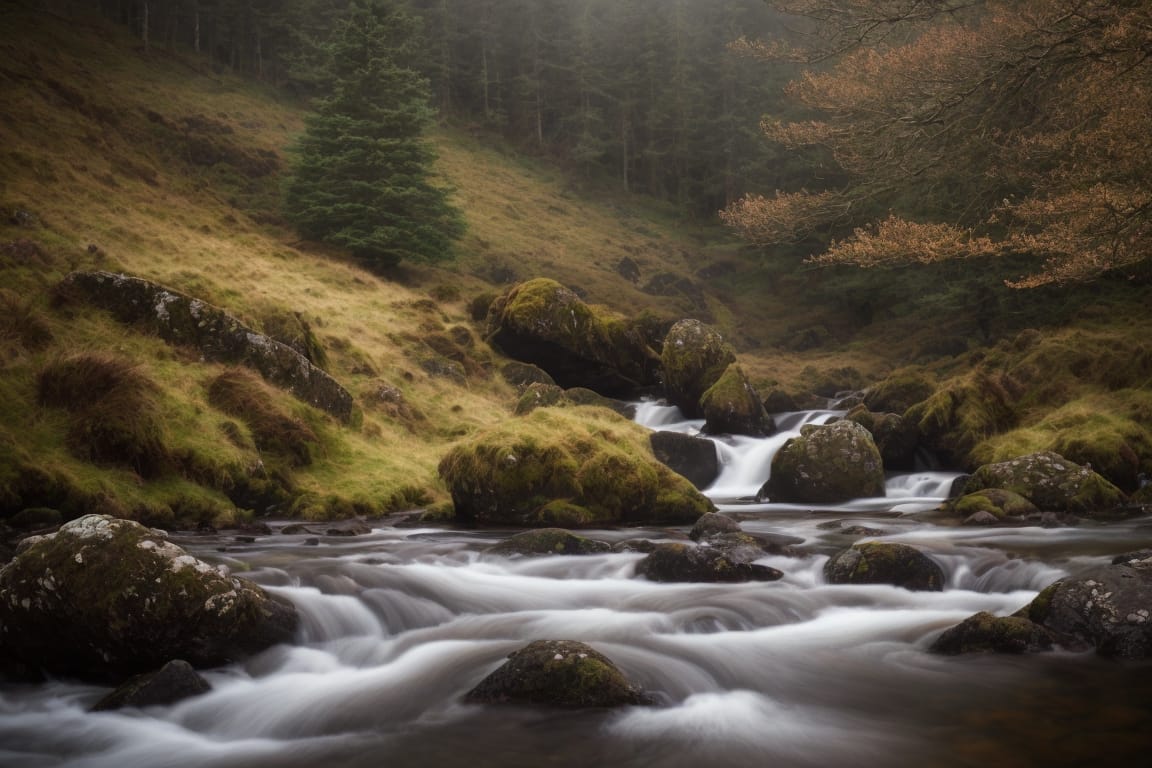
825	465
579	345
566	467
1051	482
104	598
557	673
693	359
732	406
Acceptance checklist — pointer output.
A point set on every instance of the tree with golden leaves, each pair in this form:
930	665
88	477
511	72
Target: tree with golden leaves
971	129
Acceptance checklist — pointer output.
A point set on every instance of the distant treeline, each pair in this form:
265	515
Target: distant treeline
644	92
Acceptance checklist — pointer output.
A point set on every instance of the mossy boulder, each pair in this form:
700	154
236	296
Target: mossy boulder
219	337
543	323
557	673
732	406
896	438
826	464
713	524
1108	608
701	563
900	391
693	457
998	502
548	541
958	418
985	632
885	562
566	467
693	358
540	395
104	598
1051	482
522	375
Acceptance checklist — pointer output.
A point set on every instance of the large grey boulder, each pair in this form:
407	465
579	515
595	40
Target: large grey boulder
825	465
1051	482
884	562
219	337
105	598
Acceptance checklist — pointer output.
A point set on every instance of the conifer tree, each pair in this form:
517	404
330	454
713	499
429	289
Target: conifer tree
363	176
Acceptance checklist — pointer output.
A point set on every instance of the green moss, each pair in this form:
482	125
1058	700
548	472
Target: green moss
994	501
694	357
732	406
900	391
574	466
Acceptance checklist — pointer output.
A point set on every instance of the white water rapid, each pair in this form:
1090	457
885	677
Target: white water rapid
399	624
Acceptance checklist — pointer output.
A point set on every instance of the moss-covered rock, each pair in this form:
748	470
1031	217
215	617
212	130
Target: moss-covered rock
1108	608
957	418
885	562
557	673
568	467
548	541
997	502
1051	482
543	323
900	391
522	375
693	562
732	406
985	632
826	464
713	524
693	457
181	319
105	598
694	357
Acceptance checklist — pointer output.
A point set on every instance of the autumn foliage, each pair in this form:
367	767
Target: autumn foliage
971	129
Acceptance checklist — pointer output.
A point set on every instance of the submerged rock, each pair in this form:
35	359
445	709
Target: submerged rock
693	562
984	632
693	457
543	323
1108	608
885	562
1051	482
173	682
557	673
549	541
104	598
825	465
566	467
694	357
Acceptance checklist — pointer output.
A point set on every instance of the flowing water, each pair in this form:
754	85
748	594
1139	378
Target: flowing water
399	624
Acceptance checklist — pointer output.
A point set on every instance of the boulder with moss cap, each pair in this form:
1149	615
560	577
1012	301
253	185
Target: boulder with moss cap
694	357
566	467
579	345
1051	482
105	598
825	465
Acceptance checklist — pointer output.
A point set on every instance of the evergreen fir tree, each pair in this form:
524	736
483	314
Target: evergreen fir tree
362	179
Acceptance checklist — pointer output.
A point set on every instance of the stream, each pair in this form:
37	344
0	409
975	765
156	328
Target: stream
398	624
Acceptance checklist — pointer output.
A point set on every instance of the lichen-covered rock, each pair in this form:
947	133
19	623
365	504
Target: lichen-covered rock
732	406
826	464
173	682
548	541
984	632
557	673
543	323
994	501
692	562
566	467
884	562
1108	608
693	457
221	338
713	524
694	357
1051	482
104	598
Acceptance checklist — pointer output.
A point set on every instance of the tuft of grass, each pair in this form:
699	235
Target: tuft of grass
114	410
244	396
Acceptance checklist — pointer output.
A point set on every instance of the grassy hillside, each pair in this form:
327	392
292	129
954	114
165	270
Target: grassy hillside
148	163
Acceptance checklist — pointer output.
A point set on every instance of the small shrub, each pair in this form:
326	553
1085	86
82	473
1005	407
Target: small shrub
21	325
